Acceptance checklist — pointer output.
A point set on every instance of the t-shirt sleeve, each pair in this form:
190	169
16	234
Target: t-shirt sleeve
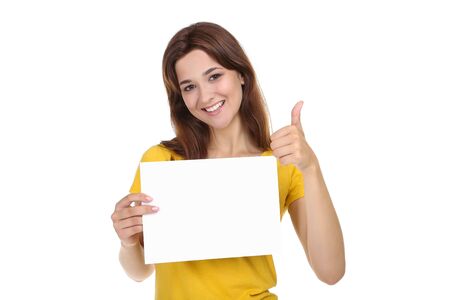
155	153
296	188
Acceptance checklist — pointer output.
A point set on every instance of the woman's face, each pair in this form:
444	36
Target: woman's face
212	93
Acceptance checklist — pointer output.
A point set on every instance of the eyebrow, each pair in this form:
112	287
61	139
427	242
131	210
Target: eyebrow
204	74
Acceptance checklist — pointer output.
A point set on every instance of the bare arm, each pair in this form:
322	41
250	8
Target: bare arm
316	223
132	260
127	221
313	216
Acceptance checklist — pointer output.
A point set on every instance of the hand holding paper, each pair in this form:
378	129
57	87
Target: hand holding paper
127	219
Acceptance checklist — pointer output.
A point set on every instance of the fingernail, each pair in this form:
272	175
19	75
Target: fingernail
148	198
155	208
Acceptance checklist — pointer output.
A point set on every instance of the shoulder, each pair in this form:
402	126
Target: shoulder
159	153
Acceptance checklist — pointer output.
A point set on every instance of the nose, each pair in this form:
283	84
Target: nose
206	95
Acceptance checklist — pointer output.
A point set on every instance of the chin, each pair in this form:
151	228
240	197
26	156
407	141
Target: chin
218	125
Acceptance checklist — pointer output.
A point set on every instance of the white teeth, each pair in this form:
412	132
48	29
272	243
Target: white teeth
215	107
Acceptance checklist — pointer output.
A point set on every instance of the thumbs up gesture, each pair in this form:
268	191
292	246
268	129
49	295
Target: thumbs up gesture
289	144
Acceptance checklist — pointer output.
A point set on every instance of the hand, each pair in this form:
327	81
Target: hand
289	144
127	219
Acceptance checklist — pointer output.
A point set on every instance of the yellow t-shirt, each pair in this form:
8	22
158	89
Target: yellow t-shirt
230	278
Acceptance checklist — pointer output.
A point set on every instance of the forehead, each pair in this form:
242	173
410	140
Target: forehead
194	64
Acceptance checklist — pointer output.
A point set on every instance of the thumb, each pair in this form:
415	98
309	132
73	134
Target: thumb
295	115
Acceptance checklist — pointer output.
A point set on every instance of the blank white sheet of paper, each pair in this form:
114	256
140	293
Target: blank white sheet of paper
211	208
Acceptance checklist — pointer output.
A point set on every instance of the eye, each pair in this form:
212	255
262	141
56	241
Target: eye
214	77
188	88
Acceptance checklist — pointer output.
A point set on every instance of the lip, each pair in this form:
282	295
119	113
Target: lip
218	110
204	108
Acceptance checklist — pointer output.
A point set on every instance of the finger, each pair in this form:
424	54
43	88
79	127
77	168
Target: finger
135	211
283	151
282	132
288	159
130	231
127	200
283	141
295	115
130	222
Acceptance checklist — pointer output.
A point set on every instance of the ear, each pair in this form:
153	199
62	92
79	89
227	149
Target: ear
241	78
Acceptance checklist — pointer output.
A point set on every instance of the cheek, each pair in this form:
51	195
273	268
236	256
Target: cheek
189	101
237	91
232	88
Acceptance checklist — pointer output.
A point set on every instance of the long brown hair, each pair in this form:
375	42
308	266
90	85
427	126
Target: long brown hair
192	135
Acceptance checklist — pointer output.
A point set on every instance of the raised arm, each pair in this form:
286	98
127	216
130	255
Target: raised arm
313	216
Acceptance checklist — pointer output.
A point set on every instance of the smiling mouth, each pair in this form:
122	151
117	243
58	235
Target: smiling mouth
214	107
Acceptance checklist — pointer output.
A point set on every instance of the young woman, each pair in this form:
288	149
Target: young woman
217	110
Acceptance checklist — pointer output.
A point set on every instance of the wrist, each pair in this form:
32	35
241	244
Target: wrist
129	245
311	167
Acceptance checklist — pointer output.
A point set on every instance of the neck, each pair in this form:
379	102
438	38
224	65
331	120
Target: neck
231	141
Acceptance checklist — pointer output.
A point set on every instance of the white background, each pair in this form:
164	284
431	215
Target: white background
82	98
